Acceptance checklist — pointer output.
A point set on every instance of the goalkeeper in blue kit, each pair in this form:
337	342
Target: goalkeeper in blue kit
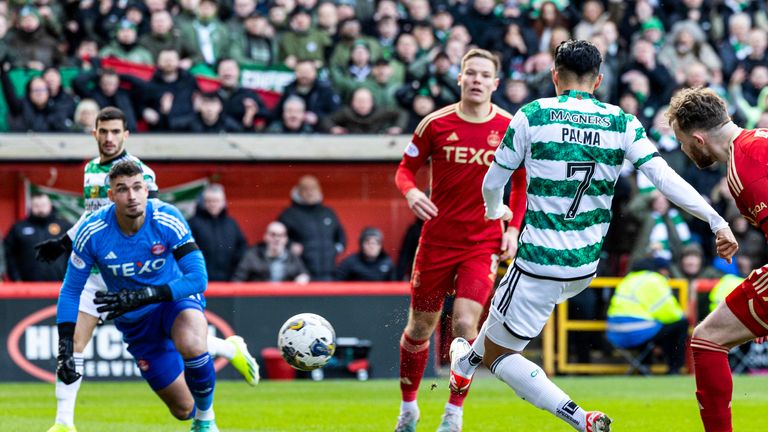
155	276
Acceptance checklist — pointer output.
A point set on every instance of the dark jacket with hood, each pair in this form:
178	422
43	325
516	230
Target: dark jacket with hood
221	241
318	229
20	249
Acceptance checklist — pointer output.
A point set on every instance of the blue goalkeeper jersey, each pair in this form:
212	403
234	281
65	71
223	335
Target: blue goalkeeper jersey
132	262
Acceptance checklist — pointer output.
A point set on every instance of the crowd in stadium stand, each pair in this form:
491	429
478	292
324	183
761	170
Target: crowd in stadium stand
378	67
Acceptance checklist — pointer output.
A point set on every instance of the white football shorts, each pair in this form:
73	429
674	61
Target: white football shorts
94	283
523	303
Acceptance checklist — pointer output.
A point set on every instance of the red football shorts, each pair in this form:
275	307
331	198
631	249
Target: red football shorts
439	271
749	301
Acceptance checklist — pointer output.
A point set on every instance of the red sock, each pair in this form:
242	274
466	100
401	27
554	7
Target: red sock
714	385
413	361
457	399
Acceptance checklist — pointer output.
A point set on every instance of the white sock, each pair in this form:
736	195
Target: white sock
220	348
531	383
66	395
205	414
449	407
409	406
470	362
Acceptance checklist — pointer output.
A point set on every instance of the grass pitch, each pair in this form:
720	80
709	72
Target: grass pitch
635	403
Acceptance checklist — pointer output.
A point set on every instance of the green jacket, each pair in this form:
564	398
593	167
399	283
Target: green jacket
219	39
138	54
645	295
308	46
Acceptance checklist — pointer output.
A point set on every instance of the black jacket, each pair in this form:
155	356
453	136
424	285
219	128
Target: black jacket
86	85
255	266
221	241
357	268
318	229
20	250
321	100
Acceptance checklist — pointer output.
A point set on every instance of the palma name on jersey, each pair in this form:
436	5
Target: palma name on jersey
581	136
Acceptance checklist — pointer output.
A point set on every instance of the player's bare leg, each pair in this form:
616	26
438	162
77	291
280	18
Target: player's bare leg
414	351
531	383
190	334
466	314
66	394
712	340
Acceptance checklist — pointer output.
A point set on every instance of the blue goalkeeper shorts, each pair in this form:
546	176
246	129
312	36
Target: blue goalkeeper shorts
149	341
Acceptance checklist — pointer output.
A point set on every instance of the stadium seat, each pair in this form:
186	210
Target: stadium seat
637	357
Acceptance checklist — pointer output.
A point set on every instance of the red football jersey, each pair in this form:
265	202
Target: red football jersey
748	176
461	149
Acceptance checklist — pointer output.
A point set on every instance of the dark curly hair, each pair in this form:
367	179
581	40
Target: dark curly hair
697	109
578	58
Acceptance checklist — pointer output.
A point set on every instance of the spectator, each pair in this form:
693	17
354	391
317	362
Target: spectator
256	45
30	45
218	235
685	45
362	116
320	98
207	34
643	309
660	79
56	93
242	10
742	92
314	228
515	95
209	117
42	224
125	45
163	35
350	33
387	30
593	16
483	25
327	19
549	18
514	49
106	92
758	42
35	111
168	94
735	48
355	73
85	116
663	232
382	84
303	41
408	65
608	89
421	104
271	260
240	104
292	119
370	263
442	21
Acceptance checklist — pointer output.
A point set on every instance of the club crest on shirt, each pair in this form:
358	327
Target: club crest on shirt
54	229
157	249
493	139
143	365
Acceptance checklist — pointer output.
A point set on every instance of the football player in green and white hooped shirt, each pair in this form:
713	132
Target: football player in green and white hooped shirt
110	134
572	147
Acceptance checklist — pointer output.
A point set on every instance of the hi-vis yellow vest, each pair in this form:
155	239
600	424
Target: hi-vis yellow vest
724	287
645	295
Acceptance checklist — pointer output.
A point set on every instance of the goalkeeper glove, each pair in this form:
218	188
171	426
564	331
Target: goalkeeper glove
118	303
65	362
50	250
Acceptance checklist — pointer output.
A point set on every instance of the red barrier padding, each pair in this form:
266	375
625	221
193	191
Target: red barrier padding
32	290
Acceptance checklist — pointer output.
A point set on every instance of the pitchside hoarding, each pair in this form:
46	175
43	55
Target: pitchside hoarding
372	311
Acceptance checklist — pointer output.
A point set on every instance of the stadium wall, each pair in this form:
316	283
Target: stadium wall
256	311
361	192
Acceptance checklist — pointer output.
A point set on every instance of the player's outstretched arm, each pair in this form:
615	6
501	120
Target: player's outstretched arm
677	190
725	244
493	193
